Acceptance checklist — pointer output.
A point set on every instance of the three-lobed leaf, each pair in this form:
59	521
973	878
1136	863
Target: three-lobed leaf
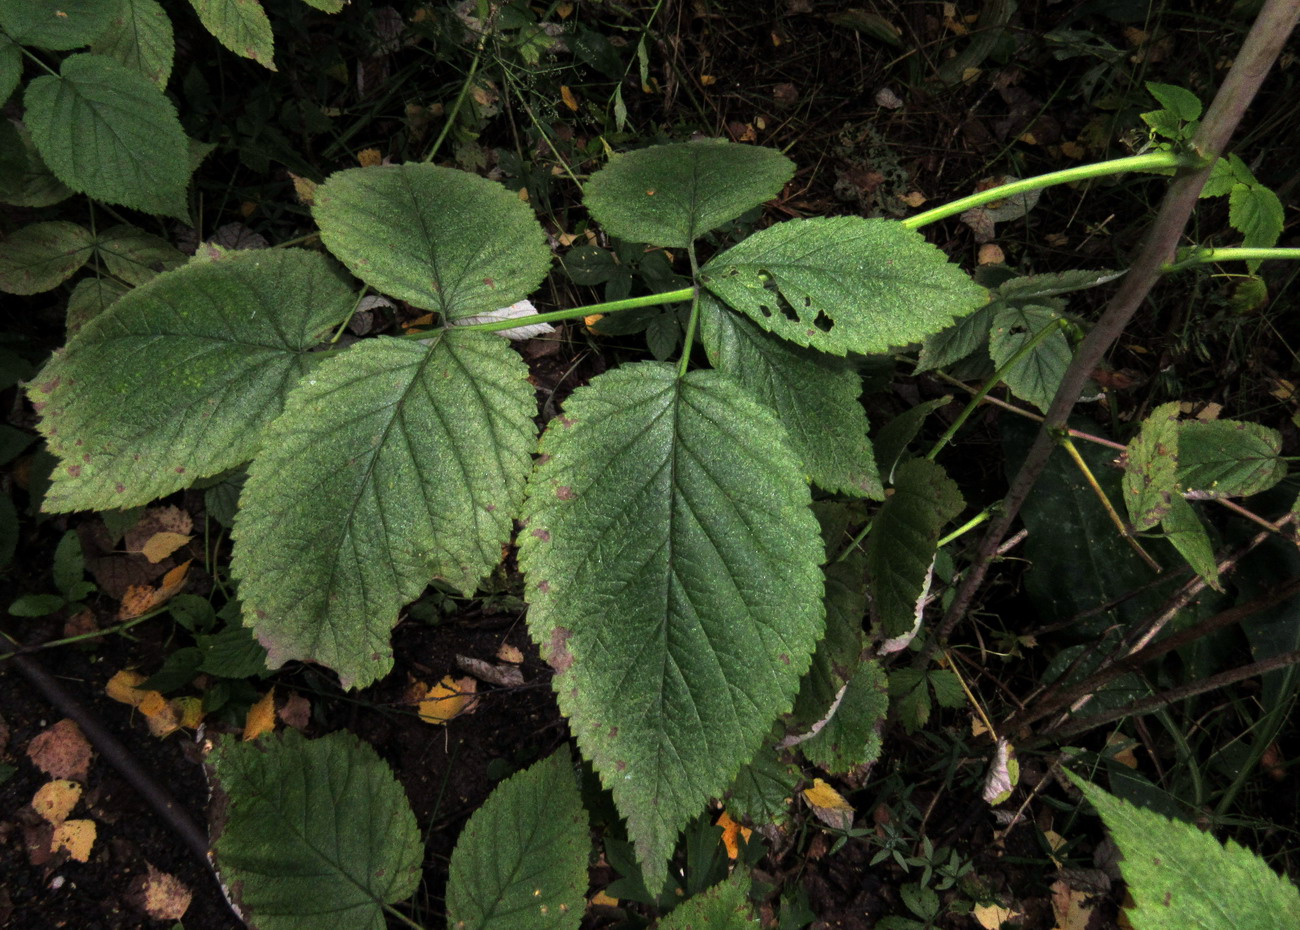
393	464
673	581
178	378
670	195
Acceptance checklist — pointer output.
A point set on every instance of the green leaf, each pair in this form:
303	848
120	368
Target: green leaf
1228	458
670	195
1035	377
1151	468
1182	102
814	397
672	578
1165	123
725	906
25	181
36	605
1221	180
393	463
109	133
1182	878
851	736
1256	212
232	653
439	238
843	284
42	256
763	789
136	256
312	833
12	443
903	543
909	690
953	344
90	298
1037	287
140	37
838	653
239	25
8	530
11	68
521	861
896	435
178	379
1184	529
69	566
327	6
57	25
589	265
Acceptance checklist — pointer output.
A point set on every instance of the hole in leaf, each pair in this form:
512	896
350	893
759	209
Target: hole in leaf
823	322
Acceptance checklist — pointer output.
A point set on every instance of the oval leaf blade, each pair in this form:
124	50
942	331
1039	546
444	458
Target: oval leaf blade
843	284
393	464
140	37
312	832
404	230
178	378
57	25
241	26
673	582
42	256
670	195
521	861
108	132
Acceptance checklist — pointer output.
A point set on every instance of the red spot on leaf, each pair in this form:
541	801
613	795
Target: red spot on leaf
565	493
180	469
784	658
74	471
119	487
620	766
489	282
543	586
559	656
565	421
543	535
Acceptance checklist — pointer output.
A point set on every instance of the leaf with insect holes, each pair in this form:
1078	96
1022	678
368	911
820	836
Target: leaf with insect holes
140	37
843	284
393	464
403	229
670	195
1151	468
707	613
177	380
57	25
311	833
1228	458
521	861
1037	375
241	26
40	257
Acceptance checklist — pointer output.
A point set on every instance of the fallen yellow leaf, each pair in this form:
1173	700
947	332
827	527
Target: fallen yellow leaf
600	899
566	95
76	836
124	688
446	700
55	800
508	653
304	188
165	896
731	833
369	158
161	545
261	717
992	916
823	795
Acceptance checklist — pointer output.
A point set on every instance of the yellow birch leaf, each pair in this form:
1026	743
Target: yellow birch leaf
369	158
566	95
508	653
152	703
447	700
708	80
165	896
731	833
992	916
261	717
76	836
123	687
161	545
137	601
172	582
55	800
162	720
824	796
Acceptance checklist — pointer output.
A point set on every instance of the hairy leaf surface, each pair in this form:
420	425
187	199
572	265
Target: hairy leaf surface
670	195
108	132
814	397
393	464
1228	458
439	238
42	256
313	832
178	378
673	578
136	256
850	736
957	341
57	25
140	37
725	906
521	861
241	26
843	284
1151	468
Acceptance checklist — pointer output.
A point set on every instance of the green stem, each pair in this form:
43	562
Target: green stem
693	322
460	97
992	382
94	634
613	306
1148	162
394	912
981	517
1205	256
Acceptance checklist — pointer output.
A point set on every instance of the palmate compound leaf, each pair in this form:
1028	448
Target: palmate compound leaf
178	378
815	398
438	238
393	464
843	284
108	132
673	582
312	833
1182	878
521	861
670	195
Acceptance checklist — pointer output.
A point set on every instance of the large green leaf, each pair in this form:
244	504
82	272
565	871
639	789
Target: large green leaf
312	833
1035	377
25	181
903	543
521	861
1151	468
1182	878
108	132
843	284
42	256
439	238
140	37
1228	458
177	379
239	25
670	195
672	574
725	906
58	25
393	464
815	397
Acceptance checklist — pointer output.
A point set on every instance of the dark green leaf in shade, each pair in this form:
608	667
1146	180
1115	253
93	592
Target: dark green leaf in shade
953	344
312	833
763	789
838	653
57	25
843	284
136	256
670	195
232	653
8	530
1184	529
895	436
672	573
12	442
90	298
177	379
1151	468
327	6
1257	213
11	68
441	239
109	133
814	396
393	464
1228	458
725	906
1035	377
241	26
850	737
42	256
25	181
36	605
140	37
1182	878
903	543
1038	287
521	861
